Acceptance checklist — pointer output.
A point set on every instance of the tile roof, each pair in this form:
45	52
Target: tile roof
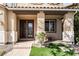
42	5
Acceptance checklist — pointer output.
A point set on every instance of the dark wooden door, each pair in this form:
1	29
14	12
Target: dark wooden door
26	29
22	29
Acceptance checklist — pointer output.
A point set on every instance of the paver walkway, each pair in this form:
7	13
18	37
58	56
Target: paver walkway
20	49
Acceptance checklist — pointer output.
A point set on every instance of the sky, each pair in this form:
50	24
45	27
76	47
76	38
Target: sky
39	1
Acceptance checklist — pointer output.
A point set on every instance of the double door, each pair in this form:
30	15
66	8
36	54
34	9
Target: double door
26	28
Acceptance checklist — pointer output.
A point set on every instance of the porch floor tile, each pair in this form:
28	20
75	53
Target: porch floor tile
20	49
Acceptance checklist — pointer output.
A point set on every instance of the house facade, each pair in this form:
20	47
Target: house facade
22	21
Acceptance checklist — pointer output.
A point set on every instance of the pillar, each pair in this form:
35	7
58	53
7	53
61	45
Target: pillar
40	22
68	27
12	34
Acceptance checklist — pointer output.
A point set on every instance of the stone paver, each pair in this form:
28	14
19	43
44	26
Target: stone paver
20	49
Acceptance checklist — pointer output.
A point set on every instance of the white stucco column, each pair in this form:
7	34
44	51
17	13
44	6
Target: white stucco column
68	27
12	27
3	25
41	22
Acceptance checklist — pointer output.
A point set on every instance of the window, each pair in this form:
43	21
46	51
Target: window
50	25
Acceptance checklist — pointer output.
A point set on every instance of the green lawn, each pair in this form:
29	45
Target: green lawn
52	50
40	51
1	52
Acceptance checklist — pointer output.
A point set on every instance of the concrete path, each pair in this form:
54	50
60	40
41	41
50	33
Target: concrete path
20	49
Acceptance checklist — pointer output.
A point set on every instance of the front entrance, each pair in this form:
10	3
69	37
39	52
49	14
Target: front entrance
26	29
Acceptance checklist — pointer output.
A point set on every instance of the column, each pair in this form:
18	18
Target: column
12	27
68	27
40	22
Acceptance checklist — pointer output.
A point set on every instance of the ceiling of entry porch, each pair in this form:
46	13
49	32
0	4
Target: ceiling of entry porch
46	12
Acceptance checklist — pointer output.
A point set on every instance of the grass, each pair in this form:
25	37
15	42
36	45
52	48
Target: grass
36	51
1	52
52	49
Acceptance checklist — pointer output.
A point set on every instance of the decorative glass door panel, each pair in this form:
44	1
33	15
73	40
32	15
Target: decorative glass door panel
30	28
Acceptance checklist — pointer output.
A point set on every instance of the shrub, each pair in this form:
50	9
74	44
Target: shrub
58	51
41	36
76	27
1	52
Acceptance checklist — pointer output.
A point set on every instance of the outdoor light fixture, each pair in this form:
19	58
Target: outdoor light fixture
1	12
0	22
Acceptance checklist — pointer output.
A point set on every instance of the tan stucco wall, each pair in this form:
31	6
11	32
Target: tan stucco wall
3	25
56	35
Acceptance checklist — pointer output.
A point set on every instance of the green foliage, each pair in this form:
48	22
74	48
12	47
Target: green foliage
1	52
41	36
53	49
69	53
58	51
76	27
40	51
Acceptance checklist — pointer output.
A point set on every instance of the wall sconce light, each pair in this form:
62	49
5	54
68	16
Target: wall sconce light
1	12
1	23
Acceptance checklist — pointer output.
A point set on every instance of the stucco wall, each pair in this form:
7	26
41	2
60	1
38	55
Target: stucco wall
56	35
3	25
